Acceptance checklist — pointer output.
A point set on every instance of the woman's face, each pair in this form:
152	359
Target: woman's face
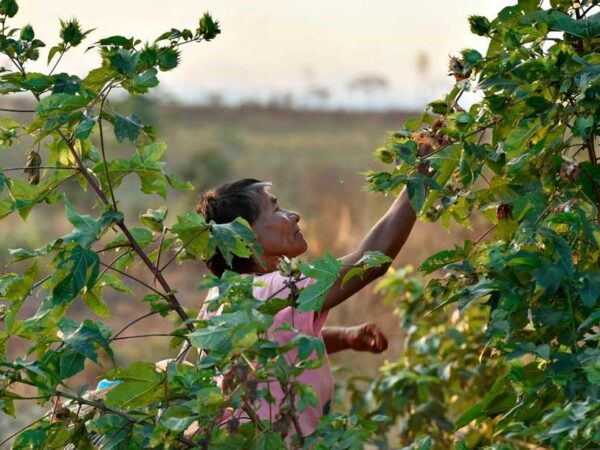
277	229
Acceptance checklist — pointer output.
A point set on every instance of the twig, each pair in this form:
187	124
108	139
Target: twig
478	240
109	266
24	428
160	244
17	110
194	236
147	335
6	169
142	282
133	323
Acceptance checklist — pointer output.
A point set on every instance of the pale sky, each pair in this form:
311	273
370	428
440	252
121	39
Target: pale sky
269	47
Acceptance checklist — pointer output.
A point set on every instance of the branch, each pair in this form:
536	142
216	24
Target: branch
17	110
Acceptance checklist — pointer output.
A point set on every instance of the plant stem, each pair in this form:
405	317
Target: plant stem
108	181
591	150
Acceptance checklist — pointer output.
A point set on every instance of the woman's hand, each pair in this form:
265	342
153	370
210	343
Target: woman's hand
366	338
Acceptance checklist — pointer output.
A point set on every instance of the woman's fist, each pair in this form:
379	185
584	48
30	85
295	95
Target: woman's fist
366	338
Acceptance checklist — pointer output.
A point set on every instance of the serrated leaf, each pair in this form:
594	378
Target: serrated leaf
234	238
194	233
78	268
87	229
83	338
127	127
325	271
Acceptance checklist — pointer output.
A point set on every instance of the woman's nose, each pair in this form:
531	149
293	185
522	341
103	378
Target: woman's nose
295	216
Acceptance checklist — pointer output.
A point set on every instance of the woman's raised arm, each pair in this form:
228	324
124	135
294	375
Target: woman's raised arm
387	236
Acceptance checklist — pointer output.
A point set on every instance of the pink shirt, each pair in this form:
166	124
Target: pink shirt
308	323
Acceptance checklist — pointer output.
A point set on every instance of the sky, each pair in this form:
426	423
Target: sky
272	48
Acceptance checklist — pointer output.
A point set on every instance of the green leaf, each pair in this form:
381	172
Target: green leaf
592	320
415	186
141	84
127	127
445	257
16	289
217	338
584	126
179	184
474	412
406	152
139	386
368	260
60	103
194	233
83	338
268	441
113	428
586	28
120	41
154	218
234	238
84	128
325	271
148	167
77	267
87	229
71	362
125	61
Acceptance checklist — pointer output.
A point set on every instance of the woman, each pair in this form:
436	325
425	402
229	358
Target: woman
277	230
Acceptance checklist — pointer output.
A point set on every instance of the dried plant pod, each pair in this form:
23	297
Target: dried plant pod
504	211
456	68
32	170
569	171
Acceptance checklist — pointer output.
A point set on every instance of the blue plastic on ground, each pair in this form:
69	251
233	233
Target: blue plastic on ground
105	384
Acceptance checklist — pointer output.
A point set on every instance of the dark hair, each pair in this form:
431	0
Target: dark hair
224	204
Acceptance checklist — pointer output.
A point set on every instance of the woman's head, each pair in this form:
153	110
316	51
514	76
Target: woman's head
275	229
